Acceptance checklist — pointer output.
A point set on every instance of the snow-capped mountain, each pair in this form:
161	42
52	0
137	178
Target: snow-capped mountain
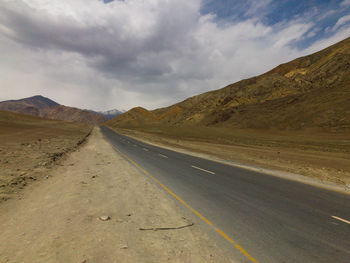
110	114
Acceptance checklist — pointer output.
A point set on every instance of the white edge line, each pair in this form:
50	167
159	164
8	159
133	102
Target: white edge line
163	155
145	149
195	167
341	219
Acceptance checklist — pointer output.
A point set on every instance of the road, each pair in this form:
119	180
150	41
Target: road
263	218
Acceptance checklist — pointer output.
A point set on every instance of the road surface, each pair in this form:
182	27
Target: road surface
263	218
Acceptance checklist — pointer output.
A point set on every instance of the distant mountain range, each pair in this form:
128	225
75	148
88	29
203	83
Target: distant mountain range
311	92
110	114
46	108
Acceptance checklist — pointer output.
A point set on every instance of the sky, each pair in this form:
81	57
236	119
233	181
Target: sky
105	54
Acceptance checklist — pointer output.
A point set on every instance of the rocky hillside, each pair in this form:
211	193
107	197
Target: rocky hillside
46	108
311	92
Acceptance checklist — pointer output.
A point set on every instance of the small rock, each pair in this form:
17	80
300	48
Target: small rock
47	177
93	176
104	218
124	246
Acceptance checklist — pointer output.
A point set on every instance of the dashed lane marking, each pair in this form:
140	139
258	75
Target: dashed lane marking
164	156
341	219
198	168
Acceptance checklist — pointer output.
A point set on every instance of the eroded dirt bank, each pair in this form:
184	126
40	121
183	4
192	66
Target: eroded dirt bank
58	219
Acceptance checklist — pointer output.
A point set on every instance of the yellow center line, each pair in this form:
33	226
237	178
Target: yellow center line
244	252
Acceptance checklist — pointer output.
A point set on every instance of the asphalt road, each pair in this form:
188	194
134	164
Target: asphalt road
268	218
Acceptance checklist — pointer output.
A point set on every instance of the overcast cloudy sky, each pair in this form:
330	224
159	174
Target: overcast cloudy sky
119	54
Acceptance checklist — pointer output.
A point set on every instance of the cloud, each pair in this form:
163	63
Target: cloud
122	54
341	21
345	3
257	6
343	33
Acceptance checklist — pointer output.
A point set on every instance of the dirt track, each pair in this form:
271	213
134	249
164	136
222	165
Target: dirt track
57	220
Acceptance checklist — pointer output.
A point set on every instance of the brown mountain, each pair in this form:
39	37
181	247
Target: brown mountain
311	92
46	108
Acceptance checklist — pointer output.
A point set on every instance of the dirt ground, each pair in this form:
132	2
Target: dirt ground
30	147
324	167
59	219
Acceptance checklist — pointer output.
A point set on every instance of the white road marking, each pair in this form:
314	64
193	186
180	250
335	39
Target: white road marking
145	149
341	219
195	167
135	145
163	155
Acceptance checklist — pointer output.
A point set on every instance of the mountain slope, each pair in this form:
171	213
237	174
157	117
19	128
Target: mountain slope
30	106
312	92
72	114
43	107
37	101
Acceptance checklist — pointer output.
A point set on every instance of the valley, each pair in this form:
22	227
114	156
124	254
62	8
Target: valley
199	171
207	131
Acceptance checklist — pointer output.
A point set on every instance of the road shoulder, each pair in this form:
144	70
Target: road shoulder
59	219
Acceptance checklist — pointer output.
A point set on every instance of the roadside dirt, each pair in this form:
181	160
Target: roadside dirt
329	168
58	219
30	147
